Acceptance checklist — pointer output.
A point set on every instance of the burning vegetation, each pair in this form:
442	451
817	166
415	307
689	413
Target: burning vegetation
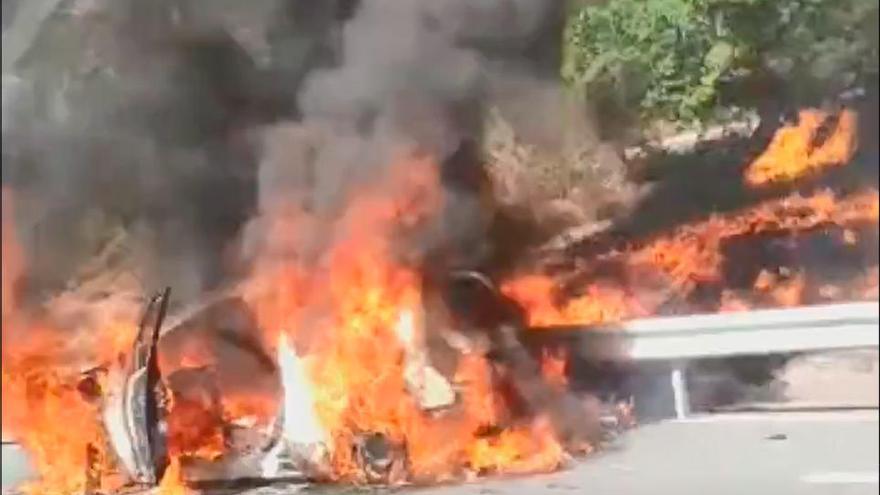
819	140
351	334
697	257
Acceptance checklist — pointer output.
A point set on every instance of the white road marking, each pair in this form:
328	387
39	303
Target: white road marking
843	478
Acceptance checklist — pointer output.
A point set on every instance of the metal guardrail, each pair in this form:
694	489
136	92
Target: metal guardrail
779	331
837	326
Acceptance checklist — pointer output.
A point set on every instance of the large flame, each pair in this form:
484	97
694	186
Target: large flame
300	420
49	405
364	298
344	325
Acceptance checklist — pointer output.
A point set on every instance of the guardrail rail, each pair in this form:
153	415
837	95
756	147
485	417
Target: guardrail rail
678	340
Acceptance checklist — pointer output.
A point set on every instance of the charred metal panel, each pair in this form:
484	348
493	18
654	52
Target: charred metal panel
134	413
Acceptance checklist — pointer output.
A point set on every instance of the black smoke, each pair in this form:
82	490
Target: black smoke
157	121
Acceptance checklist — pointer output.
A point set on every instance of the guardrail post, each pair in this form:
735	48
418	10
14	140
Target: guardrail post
680	397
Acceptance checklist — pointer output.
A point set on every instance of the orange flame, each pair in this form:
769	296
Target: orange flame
172	483
49	406
356	359
793	152
554	366
529	449
53	412
195	428
693	254
599	303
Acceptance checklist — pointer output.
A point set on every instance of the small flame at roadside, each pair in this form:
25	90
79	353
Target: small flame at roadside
799	150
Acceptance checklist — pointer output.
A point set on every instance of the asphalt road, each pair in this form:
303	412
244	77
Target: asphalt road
774	453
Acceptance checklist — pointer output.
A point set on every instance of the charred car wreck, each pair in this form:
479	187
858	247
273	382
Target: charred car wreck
137	405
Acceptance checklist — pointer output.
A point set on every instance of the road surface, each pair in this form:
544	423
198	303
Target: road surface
779	453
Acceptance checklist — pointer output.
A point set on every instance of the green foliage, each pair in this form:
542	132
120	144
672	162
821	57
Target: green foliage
670	58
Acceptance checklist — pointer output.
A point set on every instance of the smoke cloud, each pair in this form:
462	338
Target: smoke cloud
412	75
176	122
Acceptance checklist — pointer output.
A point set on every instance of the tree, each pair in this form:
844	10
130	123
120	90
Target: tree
682	59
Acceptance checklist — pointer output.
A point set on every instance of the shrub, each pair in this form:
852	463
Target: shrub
669	59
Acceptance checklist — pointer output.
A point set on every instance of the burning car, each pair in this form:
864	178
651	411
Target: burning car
154	418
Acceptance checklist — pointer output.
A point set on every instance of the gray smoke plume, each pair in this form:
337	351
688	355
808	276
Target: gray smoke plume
124	118
176	121
410	75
